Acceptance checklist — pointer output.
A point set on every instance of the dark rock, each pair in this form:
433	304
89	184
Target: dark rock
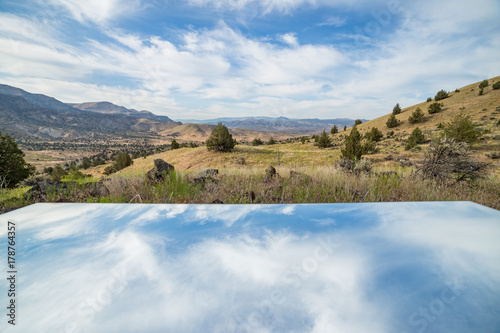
270	171
38	193
218	201
157	174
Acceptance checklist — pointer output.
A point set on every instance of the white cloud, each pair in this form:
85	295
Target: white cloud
289	39
333	21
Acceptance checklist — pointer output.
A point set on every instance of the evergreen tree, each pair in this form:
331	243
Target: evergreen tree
462	129
416	117
357	122
396	110
324	140
483	84
416	137
392	121
374	135
13	167
434	108
345	127
352	147
174	145
442	94
271	141
220	139
334	130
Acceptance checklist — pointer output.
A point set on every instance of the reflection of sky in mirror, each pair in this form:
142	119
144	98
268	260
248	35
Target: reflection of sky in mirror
379	267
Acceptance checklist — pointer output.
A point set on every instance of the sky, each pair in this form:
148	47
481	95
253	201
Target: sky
205	59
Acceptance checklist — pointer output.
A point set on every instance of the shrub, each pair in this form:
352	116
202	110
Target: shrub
271	141
481	92
396	110
462	129
434	108
345	127
493	155
220	139
334	130
442	94
324	140
257	142
352	146
13	167
369	147
392	121
457	90
374	135
483	84
496	85
122	161
241	160
429	99
357	122
446	158
417	116
174	145
303	139
416	137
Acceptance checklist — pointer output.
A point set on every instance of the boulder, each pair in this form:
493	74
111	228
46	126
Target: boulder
157	174
38	193
218	201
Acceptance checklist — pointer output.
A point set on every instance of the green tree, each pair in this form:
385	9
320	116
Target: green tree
392	121
357	122
271	141
434	108
374	135
303	139
345	127
417	116
396	110
122	161
85	163
257	142
220	139
496	85
442	94
174	145
13	167
483	84
352	147
461	128
334	130
416	137
57	173
324	140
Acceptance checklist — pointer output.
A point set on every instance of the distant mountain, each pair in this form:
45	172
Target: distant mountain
23	113
110	108
280	124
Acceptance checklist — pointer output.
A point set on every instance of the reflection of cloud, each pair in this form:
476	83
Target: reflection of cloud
131	275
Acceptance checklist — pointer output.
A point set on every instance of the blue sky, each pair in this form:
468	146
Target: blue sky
212	58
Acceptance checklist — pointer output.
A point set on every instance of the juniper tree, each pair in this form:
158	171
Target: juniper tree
417	116
220	139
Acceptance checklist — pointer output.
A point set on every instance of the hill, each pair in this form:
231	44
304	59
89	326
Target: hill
110	108
483	109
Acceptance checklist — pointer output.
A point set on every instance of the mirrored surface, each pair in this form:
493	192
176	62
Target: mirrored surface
374	267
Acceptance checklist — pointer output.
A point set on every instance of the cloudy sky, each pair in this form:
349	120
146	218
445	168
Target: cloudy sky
211	58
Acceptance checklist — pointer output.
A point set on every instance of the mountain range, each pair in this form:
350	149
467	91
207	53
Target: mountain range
279	124
23	114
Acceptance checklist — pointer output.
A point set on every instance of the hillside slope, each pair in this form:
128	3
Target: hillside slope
482	109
